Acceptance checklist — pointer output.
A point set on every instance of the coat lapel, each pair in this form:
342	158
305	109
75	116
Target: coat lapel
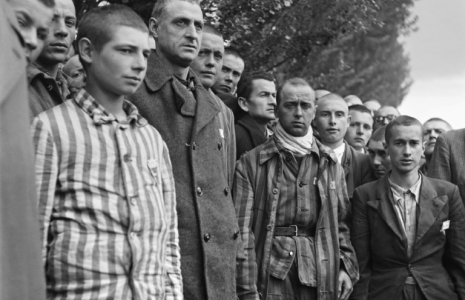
430	207
385	209
207	109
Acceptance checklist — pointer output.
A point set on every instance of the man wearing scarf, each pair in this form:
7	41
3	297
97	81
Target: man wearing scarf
292	204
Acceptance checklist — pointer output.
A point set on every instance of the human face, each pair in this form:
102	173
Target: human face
33	19
431	131
178	32
261	103
379	159
208	63
385	115
230	74
405	148
76	75
296	109
62	32
119	67
331	121
360	129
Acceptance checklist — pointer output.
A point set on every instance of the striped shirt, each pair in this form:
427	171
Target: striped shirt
405	204
106	204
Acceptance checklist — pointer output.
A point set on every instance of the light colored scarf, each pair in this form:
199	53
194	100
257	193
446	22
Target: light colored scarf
297	144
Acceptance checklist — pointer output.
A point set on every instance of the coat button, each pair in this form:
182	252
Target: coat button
291	253
268	227
127	158
236	234
275	191
194	146
226	191
220	146
134	200
206	237
199	191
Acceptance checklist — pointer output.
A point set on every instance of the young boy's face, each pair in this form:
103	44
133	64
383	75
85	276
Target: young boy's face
120	66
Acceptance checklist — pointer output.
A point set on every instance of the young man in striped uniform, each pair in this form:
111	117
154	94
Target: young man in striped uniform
106	189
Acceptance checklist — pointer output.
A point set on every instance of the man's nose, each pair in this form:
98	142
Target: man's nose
210	61
377	160
298	111
434	134
30	39
360	129
191	31
60	28
228	77
407	150
140	62
385	121
332	120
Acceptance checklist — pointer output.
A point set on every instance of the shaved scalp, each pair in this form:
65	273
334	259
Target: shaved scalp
99	23
439	120
296	81
233	52
402	121
331	97
384	107
207	28
160	7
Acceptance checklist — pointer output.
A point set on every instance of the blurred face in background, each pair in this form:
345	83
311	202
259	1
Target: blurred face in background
209	62
431	131
379	159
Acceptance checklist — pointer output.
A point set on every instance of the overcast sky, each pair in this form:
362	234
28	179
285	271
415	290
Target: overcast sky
437	60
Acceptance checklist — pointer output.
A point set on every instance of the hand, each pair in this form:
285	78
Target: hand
344	285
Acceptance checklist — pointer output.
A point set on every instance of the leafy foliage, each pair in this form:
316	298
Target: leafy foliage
345	46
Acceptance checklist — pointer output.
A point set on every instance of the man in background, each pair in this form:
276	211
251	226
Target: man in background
353	100
48	86
431	130
373	105
384	115
380	161
360	129
231	72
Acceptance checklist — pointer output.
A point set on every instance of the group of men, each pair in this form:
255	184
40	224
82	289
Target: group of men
167	172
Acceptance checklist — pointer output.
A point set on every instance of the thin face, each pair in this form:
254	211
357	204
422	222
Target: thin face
431	131
261	103
179	32
385	115
208	63
76	76
34	20
379	159
296	109
120	66
360	129
61	34
332	120
405	148
230	74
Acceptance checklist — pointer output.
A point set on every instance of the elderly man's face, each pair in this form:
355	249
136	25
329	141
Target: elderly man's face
208	63
61	34
179	32
431	131
296	109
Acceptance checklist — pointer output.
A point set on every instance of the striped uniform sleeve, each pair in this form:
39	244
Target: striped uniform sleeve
46	171
246	278
346	251
173	281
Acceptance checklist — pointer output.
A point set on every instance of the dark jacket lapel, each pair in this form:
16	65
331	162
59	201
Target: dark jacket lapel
347	161
430	207
257	135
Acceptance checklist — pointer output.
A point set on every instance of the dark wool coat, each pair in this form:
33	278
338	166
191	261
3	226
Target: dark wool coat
192	129
21	268
357	169
438	259
248	135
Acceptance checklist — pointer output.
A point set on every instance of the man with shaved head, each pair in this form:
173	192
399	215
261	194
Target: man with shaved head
285	191
332	120
191	121
373	105
353	100
384	115
431	131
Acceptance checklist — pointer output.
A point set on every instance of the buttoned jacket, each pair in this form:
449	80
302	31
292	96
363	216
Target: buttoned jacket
196	138
438	260
258	177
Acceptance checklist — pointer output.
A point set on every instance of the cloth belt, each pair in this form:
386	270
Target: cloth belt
292	230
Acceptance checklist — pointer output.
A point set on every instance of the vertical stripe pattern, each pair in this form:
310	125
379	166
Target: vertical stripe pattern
107	205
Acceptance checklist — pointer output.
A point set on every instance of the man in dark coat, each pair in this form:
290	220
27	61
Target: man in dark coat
331	120
408	229
174	101
256	94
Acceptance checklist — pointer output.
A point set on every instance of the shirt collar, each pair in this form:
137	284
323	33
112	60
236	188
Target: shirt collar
100	116
398	191
34	70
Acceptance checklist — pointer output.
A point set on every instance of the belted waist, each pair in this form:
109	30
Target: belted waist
292	230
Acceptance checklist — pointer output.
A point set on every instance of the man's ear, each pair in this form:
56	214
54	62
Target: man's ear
153	27
349	119
85	50
243	104
423	145
385	145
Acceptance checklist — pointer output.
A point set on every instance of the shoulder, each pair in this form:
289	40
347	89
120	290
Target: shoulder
453	136
59	113
254	156
370	187
441	187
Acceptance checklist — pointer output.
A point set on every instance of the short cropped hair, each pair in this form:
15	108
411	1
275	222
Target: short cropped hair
296	81
46	3
438	120
160	7
232	51
99	23
402	121
245	84
207	28
360	108
379	135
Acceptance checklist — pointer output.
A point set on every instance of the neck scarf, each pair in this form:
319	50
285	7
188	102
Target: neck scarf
297	144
